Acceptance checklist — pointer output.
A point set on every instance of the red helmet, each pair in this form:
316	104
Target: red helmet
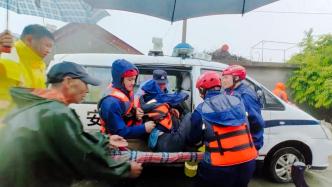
208	80
235	70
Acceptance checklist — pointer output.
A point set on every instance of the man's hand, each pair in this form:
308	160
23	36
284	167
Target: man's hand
136	169
175	113
118	141
149	126
6	41
139	113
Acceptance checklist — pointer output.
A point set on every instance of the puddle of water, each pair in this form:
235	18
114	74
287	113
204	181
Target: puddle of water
318	178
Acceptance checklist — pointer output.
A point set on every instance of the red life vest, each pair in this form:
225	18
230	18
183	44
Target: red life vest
129	107
230	145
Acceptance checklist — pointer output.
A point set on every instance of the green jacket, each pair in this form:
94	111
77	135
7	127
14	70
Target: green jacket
43	144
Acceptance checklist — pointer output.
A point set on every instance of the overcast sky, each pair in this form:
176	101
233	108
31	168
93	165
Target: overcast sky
284	21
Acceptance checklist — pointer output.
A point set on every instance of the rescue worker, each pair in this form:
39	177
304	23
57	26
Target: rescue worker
117	111
160	76
150	91
43	142
169	134
280	91
24	66
232	81
220	122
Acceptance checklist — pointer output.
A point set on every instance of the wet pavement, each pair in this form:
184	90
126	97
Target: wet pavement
171	176
174	177
314	178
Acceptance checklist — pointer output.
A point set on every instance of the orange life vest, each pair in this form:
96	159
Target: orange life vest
157	112
161	115
230	145
129	106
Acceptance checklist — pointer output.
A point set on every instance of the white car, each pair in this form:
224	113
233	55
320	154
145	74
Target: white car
290	134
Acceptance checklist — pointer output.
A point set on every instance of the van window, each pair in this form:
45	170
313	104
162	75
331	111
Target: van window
145	76
271	102
96	92
267	100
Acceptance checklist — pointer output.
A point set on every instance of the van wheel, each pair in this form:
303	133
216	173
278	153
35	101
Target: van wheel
280	164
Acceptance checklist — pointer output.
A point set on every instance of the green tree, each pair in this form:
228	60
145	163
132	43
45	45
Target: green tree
312	83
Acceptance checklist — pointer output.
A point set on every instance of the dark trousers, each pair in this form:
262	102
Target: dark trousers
230	176
174	141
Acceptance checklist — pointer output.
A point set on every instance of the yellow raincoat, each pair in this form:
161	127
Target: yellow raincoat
22	67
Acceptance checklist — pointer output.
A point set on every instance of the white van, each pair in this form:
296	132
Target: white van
290	133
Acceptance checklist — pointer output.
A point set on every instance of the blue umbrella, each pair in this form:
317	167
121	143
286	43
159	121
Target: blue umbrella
175	10
76	11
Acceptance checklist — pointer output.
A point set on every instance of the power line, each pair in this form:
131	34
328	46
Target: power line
294	12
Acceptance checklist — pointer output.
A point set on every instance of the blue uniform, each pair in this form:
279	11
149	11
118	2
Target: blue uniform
112	110
253	108
209	175
152	91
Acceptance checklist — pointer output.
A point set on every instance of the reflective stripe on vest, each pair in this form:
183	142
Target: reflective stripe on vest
128	103
230	145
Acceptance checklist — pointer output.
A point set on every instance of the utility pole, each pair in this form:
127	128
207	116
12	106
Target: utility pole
262	50
184	31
